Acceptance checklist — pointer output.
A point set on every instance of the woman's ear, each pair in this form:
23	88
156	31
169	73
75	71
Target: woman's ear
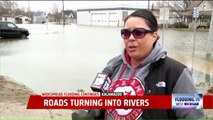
155	36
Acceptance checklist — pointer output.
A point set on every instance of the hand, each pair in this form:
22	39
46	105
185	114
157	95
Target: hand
83	115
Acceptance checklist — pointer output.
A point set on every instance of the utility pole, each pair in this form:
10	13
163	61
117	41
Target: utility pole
163	22
13	10
195	16
29	10
148	4
63	13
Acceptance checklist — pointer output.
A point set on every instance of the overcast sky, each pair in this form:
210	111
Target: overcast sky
47	5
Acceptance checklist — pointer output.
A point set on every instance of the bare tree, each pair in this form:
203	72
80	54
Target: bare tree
11	8
8	7
7	3
56	13
176	8
179	6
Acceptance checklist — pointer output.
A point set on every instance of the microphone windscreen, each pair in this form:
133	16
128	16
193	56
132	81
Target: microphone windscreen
92	114
83	115
97	112
75	116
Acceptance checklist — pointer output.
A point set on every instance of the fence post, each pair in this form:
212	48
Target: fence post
209	46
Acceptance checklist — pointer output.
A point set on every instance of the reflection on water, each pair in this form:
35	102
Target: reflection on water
57	58
201	76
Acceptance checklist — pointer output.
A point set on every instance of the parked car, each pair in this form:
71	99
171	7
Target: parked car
10	30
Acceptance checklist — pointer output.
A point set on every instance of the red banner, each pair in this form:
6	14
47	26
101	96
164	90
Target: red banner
107	102
208	101
104	102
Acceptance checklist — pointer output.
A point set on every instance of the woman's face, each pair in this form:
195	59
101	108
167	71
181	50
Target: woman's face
140	47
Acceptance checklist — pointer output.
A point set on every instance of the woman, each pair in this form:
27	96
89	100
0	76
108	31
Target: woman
144	68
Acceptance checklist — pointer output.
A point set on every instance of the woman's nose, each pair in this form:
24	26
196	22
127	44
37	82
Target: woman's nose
131	37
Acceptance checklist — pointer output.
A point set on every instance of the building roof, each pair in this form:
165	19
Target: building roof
21	16
189	10
195	3
189	13
113	7
7	15
69	12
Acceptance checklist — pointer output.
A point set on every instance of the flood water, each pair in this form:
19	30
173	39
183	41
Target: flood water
57	58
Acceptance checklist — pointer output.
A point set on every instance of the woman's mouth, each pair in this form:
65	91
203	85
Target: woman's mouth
132	48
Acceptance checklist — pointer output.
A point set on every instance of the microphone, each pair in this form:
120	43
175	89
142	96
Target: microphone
99	84
102	80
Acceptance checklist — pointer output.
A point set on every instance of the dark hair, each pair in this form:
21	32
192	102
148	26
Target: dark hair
147	15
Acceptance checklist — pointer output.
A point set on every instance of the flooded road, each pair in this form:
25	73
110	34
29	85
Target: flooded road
57	58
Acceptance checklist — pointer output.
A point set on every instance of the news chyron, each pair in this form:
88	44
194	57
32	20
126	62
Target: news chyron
187	101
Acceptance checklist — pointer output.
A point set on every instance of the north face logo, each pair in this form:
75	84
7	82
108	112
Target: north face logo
161	84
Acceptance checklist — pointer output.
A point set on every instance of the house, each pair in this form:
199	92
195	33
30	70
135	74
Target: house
40	17
111	15
20	19
186	17
70	16
205	9
7	17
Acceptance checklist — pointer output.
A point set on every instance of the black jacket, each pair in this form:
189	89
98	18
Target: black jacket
167	70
